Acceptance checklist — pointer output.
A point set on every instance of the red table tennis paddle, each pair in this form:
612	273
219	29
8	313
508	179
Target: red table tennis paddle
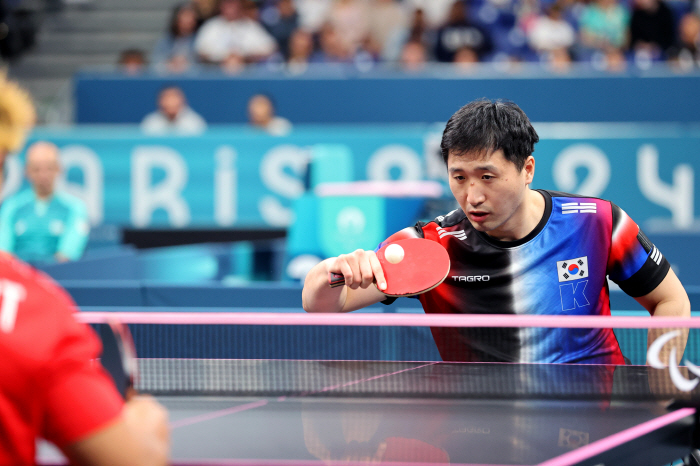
119	356
411	266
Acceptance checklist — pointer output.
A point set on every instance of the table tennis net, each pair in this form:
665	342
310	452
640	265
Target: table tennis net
228	355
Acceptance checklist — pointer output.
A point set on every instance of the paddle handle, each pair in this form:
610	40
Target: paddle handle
335	279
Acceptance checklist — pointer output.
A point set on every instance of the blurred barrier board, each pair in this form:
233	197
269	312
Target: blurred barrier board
236	177
343	96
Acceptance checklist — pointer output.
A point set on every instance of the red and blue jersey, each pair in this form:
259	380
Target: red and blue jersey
559	268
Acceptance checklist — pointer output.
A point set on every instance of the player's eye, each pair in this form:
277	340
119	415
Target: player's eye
487	177
459	177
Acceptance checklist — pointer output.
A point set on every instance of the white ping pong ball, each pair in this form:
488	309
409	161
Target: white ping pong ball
393	253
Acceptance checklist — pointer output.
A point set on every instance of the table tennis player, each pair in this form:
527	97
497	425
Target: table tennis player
515	250
51	385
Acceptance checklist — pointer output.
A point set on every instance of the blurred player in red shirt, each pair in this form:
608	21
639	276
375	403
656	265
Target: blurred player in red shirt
51	385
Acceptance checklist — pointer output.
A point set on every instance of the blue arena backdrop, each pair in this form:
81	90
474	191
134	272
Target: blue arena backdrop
239	178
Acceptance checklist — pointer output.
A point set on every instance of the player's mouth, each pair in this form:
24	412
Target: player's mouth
478	215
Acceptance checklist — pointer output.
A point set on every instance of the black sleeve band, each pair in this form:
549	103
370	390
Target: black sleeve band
646	279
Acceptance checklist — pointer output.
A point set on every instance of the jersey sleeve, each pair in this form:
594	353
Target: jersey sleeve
75	235
634	263
80	397
7	236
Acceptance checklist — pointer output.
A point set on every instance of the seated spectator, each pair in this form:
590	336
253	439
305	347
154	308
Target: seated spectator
386	17
436	12
261	114
332	48
603	25
416	31
233	37
465	59
551	32
41	225
558	60
132	61
175	52
350	20
685	55
313	14
281	21
652	28
206	9
173	116
301	48
413	56
460	32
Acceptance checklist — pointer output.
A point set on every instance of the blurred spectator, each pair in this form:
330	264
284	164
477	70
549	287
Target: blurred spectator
603	25
551	32
652	28
173	116
332	48
281	21
686	53
417	31
205	8
558	60
132	61
436	12
261	114
40	224
386	18
313	14
301	47
413	56
175	52
19	27
465	59
251	10
350	20
233	37
459	32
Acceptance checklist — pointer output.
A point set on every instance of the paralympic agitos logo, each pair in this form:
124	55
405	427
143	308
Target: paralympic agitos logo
674	372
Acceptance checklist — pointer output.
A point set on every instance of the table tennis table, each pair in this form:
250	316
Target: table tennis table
272	411
277	412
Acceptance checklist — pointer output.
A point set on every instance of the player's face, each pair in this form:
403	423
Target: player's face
492	192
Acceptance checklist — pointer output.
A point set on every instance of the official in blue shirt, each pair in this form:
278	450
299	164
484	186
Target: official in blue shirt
40	225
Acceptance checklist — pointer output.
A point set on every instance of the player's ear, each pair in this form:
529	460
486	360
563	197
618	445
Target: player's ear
529	169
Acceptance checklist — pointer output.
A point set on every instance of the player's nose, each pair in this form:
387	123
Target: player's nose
475	195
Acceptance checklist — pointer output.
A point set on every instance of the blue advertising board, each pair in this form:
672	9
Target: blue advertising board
236	177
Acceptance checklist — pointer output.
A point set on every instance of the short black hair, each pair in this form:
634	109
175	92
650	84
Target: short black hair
485	126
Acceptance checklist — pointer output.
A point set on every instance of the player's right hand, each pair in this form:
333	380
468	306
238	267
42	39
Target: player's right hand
360	268
144	414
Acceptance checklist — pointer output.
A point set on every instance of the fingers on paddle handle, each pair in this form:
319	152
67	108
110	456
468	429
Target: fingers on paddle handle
335	279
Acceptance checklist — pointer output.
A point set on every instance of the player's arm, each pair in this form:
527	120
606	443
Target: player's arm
669	299
138	437
361	270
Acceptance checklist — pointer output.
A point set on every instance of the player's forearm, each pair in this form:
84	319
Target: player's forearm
672	308
317	296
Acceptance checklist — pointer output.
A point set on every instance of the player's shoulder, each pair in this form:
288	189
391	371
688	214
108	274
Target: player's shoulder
568	203
451	219
36	283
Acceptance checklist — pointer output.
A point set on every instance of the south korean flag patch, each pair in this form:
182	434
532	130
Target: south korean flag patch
572	269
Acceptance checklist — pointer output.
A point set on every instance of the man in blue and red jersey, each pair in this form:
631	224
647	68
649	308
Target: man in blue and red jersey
515	250
51	385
